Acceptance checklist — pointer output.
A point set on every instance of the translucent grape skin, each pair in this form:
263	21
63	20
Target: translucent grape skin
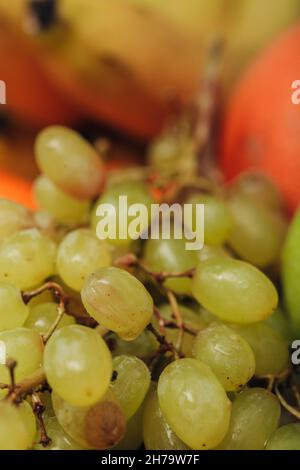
118	301
60	440
259	187
217	218
234	290
255	416
42	316
144	345
13	217
171	256
79	254
157	434
132	383
136	192
194	403
17	426
285	438
100	426
70	162
227	354
280	323
270	349
133	437
27	258
64	208
24	346
78	365
258	232
13	311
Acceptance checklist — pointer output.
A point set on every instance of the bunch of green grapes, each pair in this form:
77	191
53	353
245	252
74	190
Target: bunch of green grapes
144	342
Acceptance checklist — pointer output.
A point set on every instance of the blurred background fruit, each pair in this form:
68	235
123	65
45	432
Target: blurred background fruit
261	128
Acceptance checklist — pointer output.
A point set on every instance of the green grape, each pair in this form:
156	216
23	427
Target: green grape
194	403
60	440
227	354
79	254
234	290
78	365
131	384
291	273
258	232
13	311
64	208
42	316
255	416
270	349
280	323
133	437
171	256
100	426
164	152
25	346
208	252
143	346
191	319
285	438
217	218
69	161
118	301
136	193
17	426
156	432
13	217
27	258
259	187
44	297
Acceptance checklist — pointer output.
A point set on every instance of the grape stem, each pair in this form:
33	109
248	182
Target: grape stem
164	344
59	297
293	411
38	409
26	386
178	318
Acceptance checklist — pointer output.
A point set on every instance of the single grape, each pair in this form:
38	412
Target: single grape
100	426
209	251
27	258
132	383
291	273
191	320
42	316
234	290
78	365
69	161
13	217
258	232
259	187
270	349
157	433
143	346
13	311
64	208
194	403
285	438
217	218
25	346
280	323
79	254
133	437
171	256
60	440
227	354
17	426
255	416
118	301
136	193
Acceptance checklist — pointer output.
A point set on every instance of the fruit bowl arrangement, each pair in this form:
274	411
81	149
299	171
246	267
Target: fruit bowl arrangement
121	342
